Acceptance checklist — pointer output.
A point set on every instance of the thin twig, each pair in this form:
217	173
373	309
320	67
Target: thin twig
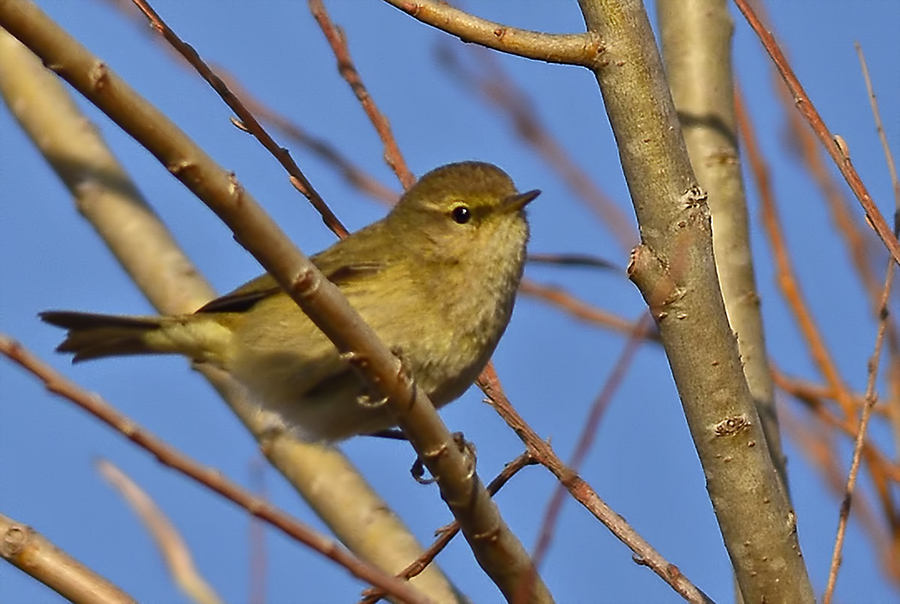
787	279
321	148
446	533
583	493
893	374
347	69
871	398
580	309
582	260
829	141
814	395
871	393
213	480
172	546
248	122
324	150
589	433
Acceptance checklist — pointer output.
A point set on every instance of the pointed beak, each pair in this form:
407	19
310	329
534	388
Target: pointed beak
514	203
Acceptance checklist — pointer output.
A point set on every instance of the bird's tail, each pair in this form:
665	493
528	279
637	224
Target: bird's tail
93	336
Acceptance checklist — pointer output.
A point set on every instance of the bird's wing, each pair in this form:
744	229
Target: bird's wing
248	295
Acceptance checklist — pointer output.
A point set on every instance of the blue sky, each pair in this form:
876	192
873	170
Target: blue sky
552	366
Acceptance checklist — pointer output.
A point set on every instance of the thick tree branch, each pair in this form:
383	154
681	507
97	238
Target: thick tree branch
696	42
675	270
32	553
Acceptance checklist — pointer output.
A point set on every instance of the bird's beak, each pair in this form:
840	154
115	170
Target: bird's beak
516	202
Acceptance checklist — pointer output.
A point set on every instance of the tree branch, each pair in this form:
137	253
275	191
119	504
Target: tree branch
675	270
571	49
32	553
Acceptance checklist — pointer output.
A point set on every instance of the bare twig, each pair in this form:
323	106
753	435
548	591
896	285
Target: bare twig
583	260
213	480
580	309
871	398
247	120
320	147
871	393
583	493
347	69
588	433
352	173
173	548
814	395
893	373
837	152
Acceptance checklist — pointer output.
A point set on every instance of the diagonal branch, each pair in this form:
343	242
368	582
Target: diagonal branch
837	151
338	43
248	121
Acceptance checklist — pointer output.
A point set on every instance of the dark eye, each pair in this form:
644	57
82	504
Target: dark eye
461	214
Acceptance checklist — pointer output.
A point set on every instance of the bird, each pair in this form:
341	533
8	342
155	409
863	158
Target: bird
436	279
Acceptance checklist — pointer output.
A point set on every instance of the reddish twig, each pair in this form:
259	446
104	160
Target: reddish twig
213	480
321	148
588	433
787	280
814	395
580	309
893	373
583	493
837	151
352	173
172	546
247	121
871	396
347	69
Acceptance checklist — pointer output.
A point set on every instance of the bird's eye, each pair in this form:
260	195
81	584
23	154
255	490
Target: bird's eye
461	214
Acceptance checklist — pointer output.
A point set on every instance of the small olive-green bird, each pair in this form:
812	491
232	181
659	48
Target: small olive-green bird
436	279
